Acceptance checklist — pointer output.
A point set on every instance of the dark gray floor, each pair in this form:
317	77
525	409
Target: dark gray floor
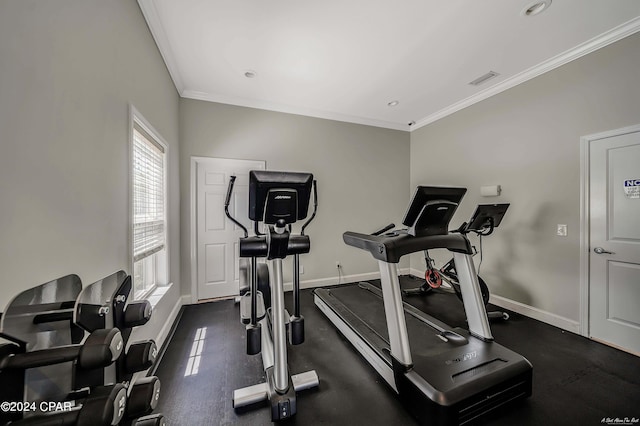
576	381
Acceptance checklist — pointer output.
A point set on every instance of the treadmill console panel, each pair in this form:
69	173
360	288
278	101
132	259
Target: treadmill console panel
427	217
431	210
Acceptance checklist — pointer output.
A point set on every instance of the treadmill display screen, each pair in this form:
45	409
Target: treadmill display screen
431	209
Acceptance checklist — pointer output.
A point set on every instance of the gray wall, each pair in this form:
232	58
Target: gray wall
362	173
68	71
527	139
70	68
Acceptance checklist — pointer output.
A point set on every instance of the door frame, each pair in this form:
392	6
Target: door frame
585	218
193	215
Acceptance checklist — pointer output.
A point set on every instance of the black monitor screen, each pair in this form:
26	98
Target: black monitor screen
431	209
484	213
279	195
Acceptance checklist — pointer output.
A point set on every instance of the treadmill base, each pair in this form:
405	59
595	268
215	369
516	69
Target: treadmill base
447	384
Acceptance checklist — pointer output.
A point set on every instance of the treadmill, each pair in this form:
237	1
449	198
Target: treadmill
445	375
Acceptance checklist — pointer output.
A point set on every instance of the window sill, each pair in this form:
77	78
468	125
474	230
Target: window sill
157	294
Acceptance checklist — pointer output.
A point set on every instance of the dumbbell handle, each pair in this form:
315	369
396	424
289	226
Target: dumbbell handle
101	348
41	358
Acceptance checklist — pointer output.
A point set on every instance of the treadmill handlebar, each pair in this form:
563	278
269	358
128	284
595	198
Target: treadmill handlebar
391	247
385	229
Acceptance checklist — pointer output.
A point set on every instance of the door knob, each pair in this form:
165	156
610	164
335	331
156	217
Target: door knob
600	250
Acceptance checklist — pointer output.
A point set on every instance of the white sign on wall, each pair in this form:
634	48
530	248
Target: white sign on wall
632	188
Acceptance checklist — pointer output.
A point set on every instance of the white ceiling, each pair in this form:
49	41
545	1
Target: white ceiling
347	59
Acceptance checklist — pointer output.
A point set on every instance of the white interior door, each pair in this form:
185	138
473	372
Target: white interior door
216	236
614	261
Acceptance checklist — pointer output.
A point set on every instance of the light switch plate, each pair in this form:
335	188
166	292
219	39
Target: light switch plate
561	230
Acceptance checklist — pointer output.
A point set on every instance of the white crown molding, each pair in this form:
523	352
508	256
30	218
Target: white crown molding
157	30
585	48
150	13
308	112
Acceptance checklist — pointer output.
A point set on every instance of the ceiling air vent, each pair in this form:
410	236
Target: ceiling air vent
488	76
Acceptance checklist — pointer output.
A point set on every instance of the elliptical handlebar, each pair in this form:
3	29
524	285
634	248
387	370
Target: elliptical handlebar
315	206
232	180
227	200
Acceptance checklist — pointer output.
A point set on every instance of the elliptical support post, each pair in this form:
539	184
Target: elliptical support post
296	286
280	373
296	323
254	291
254	334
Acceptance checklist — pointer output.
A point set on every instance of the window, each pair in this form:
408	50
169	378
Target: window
149	234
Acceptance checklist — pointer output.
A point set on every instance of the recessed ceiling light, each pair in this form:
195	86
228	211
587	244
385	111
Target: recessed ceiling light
393	103
250	74
536	8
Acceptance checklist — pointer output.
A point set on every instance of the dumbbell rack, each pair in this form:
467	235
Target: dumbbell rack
45	362
105	304
43	350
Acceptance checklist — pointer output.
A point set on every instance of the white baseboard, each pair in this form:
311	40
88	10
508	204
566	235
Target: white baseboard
535	313
527	310
342	279
521	308
417	272
166	329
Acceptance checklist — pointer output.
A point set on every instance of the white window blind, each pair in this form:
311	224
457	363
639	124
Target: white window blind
148	195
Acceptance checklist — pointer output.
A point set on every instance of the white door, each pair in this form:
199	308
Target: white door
614	277
216	236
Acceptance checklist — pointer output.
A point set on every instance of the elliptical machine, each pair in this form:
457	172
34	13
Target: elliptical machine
278	199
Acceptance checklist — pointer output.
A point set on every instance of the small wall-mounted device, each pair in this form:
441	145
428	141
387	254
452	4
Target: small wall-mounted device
490	190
